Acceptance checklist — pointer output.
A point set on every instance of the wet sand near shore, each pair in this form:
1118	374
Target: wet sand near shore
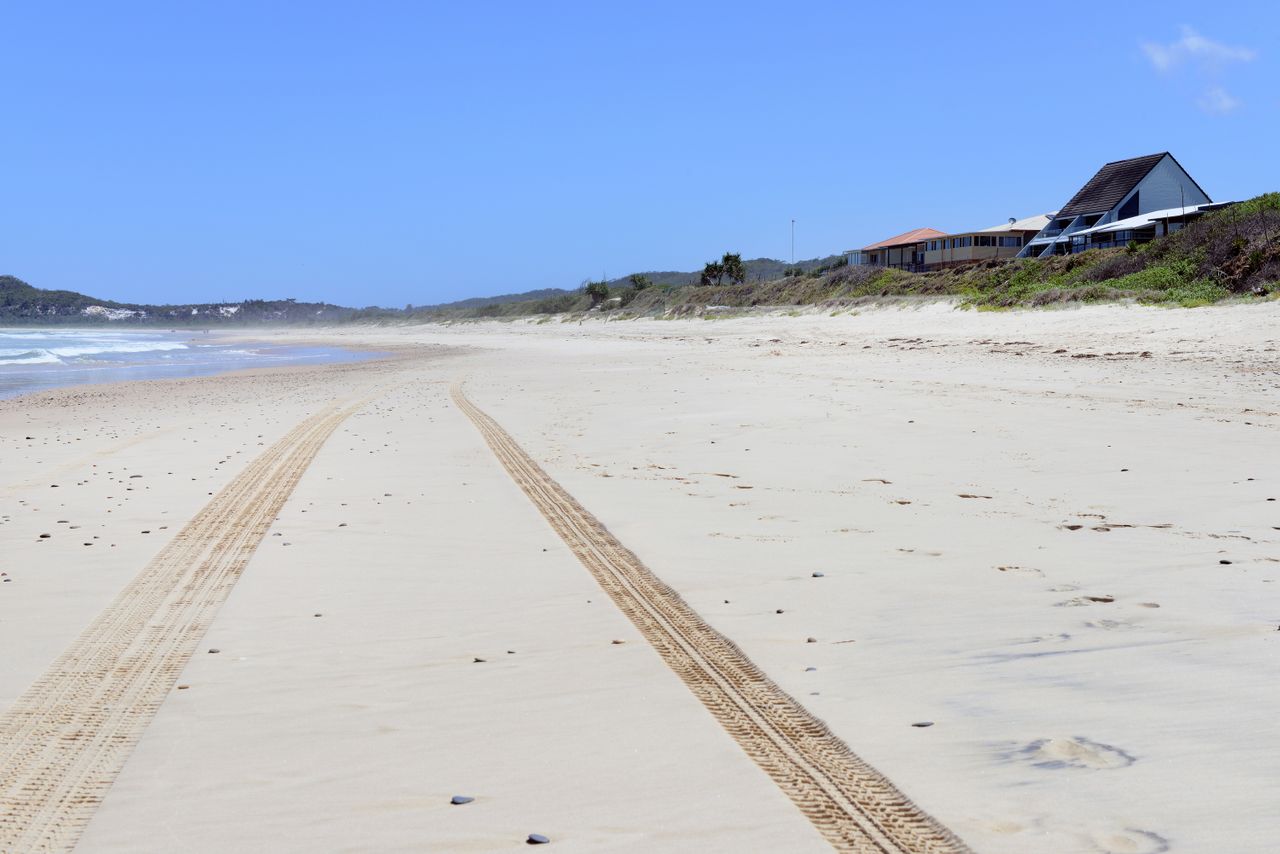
1063	562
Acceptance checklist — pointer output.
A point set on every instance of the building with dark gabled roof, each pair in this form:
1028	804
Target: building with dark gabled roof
1121	196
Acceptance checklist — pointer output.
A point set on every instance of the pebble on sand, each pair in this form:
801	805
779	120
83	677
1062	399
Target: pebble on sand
214	651
819	575
810	640
922	724
537	839
616	641
459	800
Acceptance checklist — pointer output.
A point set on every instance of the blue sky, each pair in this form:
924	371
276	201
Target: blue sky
391	153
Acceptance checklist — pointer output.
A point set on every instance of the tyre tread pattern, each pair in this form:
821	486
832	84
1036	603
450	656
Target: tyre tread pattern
852	805
64	741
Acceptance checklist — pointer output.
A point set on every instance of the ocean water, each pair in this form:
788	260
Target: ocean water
34	359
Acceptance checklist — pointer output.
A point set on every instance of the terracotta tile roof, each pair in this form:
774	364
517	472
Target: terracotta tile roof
907	238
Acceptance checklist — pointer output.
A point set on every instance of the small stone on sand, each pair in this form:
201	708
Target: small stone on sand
537	839
819	575
214	651
459	800
922	724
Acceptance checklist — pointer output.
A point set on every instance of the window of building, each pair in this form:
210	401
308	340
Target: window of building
1129	208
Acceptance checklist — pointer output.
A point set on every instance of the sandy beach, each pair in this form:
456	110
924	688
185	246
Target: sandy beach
1023	565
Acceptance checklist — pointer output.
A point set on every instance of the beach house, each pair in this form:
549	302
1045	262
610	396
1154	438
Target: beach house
1136	199
967	247
901	252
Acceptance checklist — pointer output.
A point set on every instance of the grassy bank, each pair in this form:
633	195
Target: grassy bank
1234	252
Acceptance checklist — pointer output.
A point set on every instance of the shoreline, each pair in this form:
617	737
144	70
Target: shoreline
64	373
1054	549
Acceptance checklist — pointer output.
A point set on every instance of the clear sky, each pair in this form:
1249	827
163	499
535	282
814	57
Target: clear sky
390	153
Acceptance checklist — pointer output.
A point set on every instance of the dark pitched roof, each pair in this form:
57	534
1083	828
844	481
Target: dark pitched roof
1112	183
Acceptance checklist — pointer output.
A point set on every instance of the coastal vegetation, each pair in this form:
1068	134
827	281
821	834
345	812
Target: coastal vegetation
729	267
1230	253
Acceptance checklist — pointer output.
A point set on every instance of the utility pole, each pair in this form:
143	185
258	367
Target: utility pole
793	242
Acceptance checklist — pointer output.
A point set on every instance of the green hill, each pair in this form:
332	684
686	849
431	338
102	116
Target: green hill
23	304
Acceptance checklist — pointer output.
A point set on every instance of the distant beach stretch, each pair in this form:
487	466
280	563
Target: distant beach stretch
33	359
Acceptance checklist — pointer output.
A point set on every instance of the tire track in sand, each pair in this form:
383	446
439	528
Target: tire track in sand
64	741
854	806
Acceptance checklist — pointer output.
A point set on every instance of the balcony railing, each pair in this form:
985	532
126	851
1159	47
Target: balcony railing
1108	242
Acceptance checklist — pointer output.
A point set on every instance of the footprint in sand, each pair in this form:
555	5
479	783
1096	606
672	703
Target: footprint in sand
1130	841
1077	752
1112	625
1061	637
1102	599
1021	570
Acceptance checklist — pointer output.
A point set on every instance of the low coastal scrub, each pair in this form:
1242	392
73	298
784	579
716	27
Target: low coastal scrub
1234	252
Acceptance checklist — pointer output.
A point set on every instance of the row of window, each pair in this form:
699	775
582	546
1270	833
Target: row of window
965	242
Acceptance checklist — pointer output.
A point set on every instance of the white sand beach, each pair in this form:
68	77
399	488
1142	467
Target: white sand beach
1052	536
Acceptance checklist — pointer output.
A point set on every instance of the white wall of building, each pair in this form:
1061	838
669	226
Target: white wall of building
1160	190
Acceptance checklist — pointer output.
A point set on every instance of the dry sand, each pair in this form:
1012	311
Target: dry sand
1047	533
